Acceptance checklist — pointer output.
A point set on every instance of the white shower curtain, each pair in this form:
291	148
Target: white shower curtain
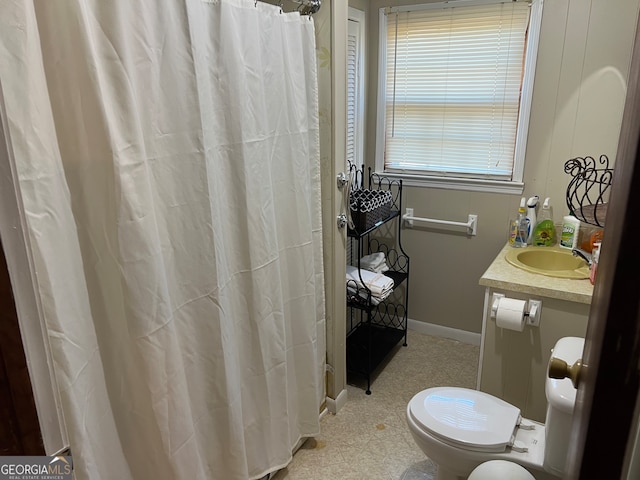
168	169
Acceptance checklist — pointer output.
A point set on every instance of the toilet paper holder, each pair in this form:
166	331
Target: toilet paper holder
532	313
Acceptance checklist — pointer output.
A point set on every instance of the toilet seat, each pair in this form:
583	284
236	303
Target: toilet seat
465	418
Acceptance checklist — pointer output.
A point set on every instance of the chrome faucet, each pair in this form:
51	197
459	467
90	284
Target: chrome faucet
577	252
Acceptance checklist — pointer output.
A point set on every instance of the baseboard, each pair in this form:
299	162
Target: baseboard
446	332
334	406
323	412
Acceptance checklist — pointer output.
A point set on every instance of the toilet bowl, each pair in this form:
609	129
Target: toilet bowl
500	469
460	428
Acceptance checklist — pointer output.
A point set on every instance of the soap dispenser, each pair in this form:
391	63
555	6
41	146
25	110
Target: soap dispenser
532	203
544	233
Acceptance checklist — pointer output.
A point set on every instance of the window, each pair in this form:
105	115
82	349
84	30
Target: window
355	104
455	90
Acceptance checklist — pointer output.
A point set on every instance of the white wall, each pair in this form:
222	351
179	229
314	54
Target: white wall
579	92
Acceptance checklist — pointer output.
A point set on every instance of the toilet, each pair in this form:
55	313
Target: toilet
461	428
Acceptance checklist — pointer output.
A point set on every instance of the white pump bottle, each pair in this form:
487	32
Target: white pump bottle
532	203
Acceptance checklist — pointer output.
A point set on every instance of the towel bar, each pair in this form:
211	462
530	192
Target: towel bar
471	224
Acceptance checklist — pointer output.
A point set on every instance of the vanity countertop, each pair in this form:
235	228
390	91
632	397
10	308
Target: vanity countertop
503	275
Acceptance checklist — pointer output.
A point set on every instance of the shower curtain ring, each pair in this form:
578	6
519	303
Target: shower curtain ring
280	5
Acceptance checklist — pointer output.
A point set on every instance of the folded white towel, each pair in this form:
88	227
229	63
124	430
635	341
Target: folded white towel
379	269
362	293
375	262
372	261
379	284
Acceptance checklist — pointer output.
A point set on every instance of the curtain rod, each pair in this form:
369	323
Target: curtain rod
305	7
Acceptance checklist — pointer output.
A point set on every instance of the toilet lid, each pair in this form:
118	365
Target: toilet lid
465	418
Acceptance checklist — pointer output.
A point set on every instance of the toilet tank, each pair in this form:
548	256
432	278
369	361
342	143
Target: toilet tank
561	397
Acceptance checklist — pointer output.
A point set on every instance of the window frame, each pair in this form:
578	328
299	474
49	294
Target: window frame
412	178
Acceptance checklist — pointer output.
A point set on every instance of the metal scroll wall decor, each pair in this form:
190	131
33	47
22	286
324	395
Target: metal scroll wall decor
588	190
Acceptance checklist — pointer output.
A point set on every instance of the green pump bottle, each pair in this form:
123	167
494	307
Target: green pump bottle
544	233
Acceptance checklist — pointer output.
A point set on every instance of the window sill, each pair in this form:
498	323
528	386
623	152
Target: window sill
468	184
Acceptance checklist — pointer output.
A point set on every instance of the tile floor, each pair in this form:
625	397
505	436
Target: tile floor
369	438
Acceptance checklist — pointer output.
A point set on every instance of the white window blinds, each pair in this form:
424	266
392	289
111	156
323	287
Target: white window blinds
352	93
453	88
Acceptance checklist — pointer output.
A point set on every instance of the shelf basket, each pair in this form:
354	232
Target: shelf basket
368	207
588	190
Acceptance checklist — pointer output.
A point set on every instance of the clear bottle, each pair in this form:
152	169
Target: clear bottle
519	227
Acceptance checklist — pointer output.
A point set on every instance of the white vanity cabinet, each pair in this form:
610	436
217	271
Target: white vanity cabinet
513	365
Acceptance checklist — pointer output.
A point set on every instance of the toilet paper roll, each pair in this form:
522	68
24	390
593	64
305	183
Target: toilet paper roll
510	314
